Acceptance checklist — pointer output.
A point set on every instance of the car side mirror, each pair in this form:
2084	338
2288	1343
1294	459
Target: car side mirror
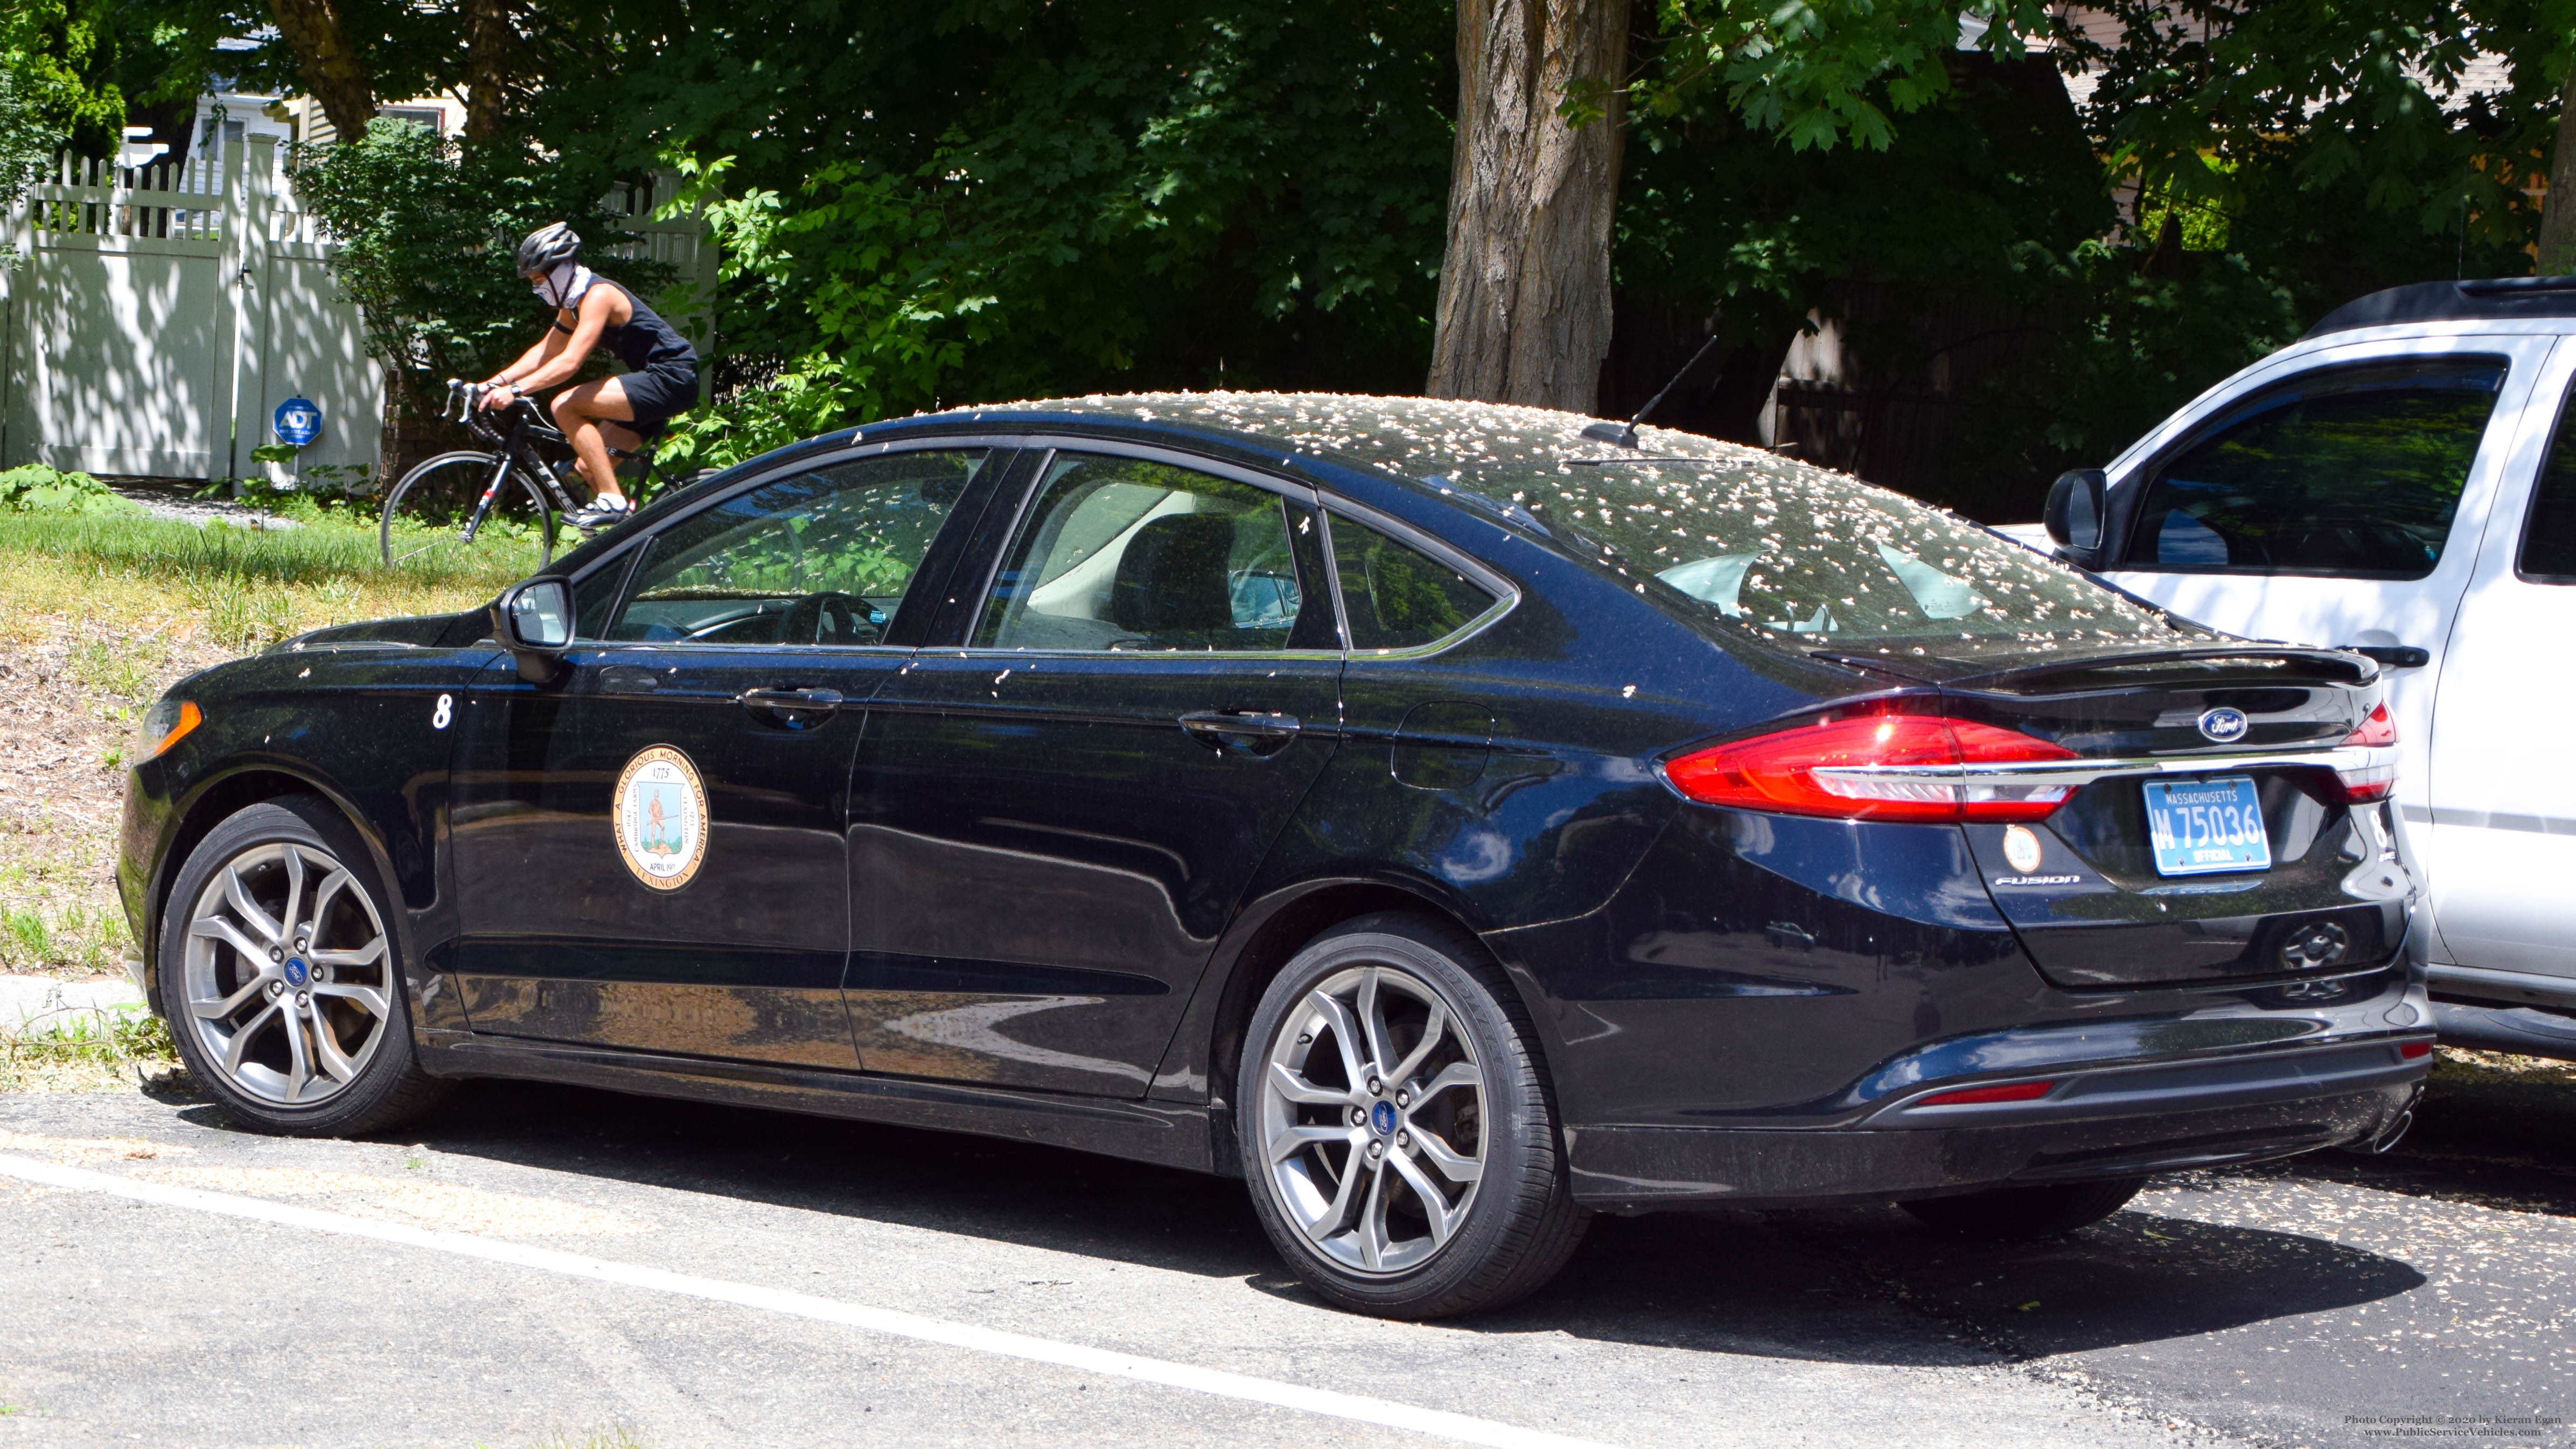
2077	503
533	620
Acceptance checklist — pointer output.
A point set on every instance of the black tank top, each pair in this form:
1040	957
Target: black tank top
643	339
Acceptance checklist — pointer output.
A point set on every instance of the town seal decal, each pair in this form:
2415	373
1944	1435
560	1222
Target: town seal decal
660	815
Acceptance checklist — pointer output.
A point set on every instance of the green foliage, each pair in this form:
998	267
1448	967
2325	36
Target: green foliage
427	237
812	395
62	59
1817	72
2215	102
1996	163
1017	198
29	140
893	298
275	453
35	488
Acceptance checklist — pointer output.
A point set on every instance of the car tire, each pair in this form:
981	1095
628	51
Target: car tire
1460	1201
2010	1214
282	977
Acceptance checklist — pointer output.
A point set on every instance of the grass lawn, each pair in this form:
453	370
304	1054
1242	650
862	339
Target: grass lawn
233	588
97	617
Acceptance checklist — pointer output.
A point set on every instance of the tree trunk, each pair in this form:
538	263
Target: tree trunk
2558	208
487	43
337	77
1525	283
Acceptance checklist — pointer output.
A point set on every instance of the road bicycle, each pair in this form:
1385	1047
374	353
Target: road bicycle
501	506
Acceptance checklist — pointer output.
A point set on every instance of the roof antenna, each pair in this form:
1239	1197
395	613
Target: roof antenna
1626	437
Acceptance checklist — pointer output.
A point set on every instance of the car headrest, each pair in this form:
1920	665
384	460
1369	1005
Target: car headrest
1172	576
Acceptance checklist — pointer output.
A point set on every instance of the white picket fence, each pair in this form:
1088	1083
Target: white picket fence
158	316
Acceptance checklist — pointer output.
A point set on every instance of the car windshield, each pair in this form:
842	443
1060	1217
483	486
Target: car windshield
1787	549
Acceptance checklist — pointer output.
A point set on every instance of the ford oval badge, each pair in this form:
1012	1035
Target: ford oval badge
2223	725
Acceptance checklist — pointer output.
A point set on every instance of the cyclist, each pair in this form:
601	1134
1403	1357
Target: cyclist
614	414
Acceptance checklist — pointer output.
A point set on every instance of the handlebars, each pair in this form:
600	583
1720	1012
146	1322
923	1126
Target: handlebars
464	399
465	405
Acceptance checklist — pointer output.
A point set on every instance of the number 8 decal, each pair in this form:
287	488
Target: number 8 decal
439	717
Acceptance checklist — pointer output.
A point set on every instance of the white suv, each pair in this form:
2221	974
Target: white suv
2402	480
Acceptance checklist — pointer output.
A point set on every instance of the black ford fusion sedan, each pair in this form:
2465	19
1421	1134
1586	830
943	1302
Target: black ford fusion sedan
1450	820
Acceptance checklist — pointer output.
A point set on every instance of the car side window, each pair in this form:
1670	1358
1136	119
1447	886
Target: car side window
1397	597
595	595
2548	551
1121	554
819	556
2350	472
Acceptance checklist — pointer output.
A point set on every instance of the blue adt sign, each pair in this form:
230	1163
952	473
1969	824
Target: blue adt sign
299	422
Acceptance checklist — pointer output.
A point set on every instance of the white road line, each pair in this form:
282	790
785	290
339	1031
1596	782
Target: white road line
878	1320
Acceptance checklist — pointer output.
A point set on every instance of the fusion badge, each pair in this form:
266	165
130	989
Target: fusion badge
660	815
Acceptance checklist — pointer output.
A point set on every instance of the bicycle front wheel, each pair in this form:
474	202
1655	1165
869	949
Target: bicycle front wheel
436	519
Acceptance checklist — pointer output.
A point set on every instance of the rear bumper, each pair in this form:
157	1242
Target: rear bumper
2118	1122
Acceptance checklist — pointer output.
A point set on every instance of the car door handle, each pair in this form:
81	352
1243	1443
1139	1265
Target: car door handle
1255	723
794	709
1249	731
2394	656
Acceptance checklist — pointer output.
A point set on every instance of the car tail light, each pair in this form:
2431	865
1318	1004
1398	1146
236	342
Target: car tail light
1913	767
1970	1096
2415	1051
2377	778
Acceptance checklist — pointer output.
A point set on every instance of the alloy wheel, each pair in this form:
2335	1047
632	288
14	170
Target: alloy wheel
1372	1119
286	975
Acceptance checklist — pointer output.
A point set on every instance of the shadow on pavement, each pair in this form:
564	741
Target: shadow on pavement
2137	1277
2494	1139
1847	1285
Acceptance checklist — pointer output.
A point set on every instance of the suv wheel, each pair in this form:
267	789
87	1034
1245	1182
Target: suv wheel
281	981
1396	1129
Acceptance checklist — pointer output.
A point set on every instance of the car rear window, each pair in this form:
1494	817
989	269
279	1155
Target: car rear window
1709	529
1818	555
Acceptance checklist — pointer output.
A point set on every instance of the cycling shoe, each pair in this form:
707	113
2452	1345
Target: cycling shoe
600	514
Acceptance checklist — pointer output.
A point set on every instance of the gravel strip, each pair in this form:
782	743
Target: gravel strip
168	500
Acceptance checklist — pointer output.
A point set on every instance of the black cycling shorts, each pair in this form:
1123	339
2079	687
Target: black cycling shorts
658	394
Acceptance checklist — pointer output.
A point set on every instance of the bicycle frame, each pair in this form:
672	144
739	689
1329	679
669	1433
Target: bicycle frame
514	447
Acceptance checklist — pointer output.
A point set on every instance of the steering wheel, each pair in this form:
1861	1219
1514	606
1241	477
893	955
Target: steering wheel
846	614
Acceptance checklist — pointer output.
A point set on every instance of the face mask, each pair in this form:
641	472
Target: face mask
561	286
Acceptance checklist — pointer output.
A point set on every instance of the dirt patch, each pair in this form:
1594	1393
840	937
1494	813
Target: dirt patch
70	699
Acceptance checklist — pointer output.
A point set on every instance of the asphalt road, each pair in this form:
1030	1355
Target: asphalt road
695	1275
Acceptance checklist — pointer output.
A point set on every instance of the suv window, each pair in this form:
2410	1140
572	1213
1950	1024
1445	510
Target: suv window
820	556
1396	597
2352	472
2548	553
1124	554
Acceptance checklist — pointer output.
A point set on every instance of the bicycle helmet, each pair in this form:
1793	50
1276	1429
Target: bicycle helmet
547	248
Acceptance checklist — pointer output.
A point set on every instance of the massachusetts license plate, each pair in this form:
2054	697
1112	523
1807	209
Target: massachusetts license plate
2203	826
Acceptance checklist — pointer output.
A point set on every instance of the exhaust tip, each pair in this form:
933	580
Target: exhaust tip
2396	1130
2388	1136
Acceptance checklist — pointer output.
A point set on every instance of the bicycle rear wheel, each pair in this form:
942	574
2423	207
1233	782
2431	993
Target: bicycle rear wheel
426	516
